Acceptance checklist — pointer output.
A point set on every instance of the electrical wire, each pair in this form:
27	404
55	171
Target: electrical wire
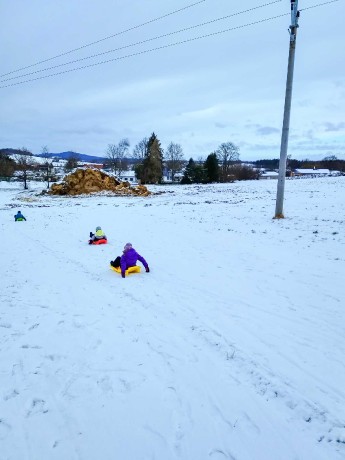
319	4
149	50
141	42
107	38
164	46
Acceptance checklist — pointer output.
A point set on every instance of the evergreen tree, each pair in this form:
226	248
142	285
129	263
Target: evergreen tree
199	174
189	172
7	165
194	173
152	170
212	168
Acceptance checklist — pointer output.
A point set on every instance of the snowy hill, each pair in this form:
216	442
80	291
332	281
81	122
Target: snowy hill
232	347
80	156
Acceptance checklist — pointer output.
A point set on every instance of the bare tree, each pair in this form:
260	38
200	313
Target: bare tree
24	164
48	165
140	150
72	162
116	154
228	155
174	158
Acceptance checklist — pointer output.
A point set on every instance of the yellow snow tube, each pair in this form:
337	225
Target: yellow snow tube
135	269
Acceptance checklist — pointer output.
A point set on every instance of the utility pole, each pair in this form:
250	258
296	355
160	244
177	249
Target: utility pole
287	109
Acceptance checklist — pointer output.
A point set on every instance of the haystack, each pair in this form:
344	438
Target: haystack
85	181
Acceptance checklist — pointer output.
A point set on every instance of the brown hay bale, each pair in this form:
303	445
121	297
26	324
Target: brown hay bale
91	181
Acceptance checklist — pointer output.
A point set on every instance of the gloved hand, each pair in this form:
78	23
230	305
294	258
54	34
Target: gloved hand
147	270
123	275
91	234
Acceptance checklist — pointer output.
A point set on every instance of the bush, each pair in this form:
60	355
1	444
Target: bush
244	172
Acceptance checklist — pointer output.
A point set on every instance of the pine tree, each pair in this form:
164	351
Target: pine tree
189	173
212	168
7	165
152	171
199	174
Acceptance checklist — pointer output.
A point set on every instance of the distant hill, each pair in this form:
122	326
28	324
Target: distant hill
13	152
80	156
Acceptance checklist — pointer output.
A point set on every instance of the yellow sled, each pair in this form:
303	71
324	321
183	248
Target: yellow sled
135	269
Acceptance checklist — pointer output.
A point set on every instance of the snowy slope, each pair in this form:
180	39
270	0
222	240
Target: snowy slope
232	347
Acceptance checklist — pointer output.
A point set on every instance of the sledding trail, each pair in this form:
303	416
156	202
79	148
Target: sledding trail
211	355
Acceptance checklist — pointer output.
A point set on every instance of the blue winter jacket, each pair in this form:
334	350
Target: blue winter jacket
130	258
19	216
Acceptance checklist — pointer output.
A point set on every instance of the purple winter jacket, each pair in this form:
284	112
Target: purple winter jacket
130	258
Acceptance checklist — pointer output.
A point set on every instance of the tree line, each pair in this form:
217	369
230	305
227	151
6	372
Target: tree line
330	162
222	165
149	162
148	157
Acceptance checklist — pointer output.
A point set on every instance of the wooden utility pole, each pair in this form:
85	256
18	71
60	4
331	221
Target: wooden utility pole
287	108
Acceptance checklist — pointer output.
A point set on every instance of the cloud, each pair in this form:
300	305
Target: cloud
305	103
262	130
267	130
264	147
318	147
220	125
334	126
84	131
252	125
205	113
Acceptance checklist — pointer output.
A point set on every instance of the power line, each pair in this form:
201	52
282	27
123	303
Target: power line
107	38
319	4
142	41
147	51
162	47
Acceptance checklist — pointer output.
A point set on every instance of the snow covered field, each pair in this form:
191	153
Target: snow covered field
232	347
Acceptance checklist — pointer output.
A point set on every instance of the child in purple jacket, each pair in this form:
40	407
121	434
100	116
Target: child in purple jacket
128	259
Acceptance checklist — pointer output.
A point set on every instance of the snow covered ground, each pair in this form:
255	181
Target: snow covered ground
232	347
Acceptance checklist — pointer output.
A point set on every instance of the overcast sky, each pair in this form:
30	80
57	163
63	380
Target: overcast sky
227	87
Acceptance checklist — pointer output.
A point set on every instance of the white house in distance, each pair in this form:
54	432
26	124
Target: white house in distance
127	176
124	176
269	175
312	172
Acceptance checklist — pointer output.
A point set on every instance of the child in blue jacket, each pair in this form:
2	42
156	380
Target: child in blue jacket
19	216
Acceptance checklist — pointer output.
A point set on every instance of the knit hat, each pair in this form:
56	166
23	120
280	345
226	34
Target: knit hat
127	247
98	228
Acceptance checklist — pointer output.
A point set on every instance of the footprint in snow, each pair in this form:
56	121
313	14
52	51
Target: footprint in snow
10	395
26	346
218	454
5	428
105	384
37	406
